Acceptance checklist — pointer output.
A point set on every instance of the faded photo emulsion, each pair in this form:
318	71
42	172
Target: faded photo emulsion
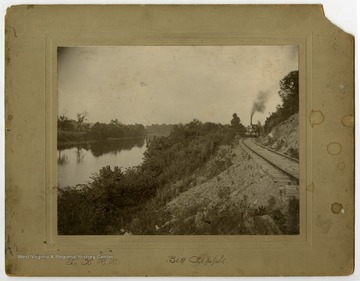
178	140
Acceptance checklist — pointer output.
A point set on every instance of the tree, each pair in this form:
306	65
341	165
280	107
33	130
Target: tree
64	124
236	125
116	128
61	121
259	128
100	131
289	93
81	118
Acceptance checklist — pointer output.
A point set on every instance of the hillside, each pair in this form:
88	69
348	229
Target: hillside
284	137
233	194
238	200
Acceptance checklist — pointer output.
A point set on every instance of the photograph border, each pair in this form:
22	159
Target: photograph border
172	39
318	220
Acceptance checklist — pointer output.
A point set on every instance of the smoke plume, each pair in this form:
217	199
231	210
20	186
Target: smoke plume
260	103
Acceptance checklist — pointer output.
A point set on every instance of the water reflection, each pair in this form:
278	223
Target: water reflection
62	158
77	162
114	147
79	155
101	147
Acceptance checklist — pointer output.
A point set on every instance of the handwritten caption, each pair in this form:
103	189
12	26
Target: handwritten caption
198	259
75	260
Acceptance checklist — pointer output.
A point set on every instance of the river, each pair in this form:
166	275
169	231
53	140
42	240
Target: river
76	163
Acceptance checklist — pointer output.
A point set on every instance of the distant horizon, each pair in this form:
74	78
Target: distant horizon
181	123
168	84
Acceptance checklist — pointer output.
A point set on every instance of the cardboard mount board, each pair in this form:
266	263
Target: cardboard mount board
325	245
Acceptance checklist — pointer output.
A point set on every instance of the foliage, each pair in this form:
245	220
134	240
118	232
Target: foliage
237	126
238	217
64	123
291	223
187	148
81	131
288	219
115	129
133	198
289	94
157	129
102	204
81	118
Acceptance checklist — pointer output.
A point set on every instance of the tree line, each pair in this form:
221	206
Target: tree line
78	130
115	129
159	129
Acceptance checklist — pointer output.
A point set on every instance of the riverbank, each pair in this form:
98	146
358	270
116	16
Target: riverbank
132	198
74	143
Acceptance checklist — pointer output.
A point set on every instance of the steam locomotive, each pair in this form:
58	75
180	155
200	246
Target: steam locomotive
252	131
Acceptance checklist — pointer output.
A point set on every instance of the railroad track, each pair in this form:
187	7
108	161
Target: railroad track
284	170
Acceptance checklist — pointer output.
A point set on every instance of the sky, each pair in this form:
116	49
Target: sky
171	84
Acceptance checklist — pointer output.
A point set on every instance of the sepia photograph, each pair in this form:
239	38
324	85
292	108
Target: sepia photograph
178	140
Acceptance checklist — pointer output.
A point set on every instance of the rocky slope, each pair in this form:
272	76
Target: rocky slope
284	137
239	200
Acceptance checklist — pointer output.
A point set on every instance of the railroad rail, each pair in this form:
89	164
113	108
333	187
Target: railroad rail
280	163
293	159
